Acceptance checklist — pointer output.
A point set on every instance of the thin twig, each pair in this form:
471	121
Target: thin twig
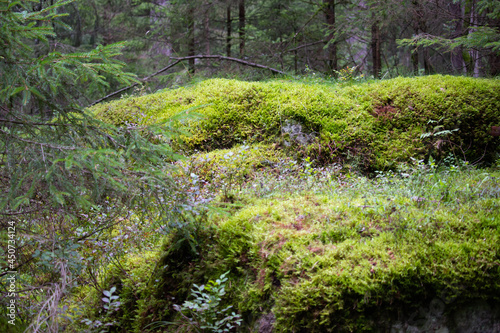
38	143
201	56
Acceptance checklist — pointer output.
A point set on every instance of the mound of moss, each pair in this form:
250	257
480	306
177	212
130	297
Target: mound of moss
382	123
362	255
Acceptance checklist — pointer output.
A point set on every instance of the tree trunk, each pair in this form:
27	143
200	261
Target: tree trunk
78	27
332	44
191	39
93	36
242	19
376	53
206	29
457	61
228	27
494	58
474	53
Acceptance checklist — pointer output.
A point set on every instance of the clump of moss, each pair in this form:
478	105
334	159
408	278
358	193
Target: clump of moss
383	123
346	259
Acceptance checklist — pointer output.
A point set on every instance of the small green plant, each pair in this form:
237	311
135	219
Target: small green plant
348	75
203	313
438	130
111	305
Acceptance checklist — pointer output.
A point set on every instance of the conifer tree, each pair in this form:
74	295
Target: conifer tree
65	177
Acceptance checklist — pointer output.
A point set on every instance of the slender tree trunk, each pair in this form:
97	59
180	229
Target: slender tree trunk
78	28
376	53
428	68
457	60
474	54
93	36
332	44
494	58
206	29
422	28
228	28
242	19
191	39
414	61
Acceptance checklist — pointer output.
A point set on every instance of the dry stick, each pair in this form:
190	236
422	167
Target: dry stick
247	63
135	84
308	44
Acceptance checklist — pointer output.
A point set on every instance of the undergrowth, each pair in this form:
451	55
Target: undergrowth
333	207
321	249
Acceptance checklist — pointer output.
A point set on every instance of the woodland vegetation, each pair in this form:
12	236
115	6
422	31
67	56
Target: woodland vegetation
315	166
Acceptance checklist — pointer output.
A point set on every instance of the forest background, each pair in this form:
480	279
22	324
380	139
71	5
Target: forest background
381	39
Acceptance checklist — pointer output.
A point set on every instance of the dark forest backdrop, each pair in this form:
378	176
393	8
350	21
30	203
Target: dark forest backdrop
379	38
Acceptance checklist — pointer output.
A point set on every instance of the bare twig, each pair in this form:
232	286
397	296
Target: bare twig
201	56
306	45
39	143
240	61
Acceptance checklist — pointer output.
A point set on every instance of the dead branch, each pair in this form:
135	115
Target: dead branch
240	61
308	44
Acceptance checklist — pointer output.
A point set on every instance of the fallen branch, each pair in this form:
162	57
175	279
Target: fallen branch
240	61
247	63
135	84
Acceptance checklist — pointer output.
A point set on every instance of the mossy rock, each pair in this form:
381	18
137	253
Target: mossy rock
383	123
351	260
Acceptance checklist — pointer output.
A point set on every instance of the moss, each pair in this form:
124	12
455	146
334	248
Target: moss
380	121
349	259
353	253
232	165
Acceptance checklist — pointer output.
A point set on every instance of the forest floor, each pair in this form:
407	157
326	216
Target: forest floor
295	242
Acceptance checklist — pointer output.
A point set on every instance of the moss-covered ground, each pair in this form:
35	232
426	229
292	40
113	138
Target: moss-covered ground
382	123
377	213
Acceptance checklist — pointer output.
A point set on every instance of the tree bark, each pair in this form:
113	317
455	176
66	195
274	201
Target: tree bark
191	40
228	28
93	36
242	22
457	60
494	58
207	27
78	27
376	52
332	60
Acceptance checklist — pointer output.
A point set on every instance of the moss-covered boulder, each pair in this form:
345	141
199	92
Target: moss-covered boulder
362	255
382	123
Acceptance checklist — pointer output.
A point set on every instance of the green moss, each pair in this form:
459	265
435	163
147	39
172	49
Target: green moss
345	260
351	253
236	163
380	121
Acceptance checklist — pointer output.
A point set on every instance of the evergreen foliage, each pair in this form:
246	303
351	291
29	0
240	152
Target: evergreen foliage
65	177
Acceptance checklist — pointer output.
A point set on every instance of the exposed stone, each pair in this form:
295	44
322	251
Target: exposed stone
266	323
475	317
295	132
